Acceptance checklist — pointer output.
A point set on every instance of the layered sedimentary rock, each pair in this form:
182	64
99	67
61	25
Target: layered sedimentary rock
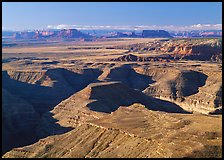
45	89
128	76
132	131
29	94
115	103
195	50
194	91
96	100
189	49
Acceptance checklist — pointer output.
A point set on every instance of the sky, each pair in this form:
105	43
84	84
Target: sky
111	15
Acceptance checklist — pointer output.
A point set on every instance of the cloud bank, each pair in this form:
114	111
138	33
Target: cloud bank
152	27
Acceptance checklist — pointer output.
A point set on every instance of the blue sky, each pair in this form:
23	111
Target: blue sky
39	15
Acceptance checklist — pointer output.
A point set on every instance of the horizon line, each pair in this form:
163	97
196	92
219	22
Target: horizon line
128	27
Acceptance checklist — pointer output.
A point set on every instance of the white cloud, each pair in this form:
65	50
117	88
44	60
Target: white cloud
153	27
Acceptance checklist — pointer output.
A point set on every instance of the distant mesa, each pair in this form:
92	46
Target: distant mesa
24	35
62	34
144	34
74	33
155	34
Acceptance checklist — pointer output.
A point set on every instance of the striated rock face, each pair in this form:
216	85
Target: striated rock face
194	91
197	49
200	52
131	132
45	89
26	76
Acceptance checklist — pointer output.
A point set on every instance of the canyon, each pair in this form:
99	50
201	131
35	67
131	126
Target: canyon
111	98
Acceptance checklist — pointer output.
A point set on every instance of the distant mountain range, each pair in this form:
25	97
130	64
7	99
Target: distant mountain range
197	33
65	33
74	33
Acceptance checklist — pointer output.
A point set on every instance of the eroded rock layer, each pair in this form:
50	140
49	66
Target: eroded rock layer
113	98
132	131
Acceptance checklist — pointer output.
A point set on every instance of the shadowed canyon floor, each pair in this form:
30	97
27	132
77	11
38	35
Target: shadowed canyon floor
115	98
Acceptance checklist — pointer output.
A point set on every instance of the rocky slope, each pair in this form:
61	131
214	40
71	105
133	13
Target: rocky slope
85	105
45	89
130	132
189	88
128	76
96	100
192	90
195	49
29	94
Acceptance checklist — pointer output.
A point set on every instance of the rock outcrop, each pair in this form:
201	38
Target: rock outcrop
197	49
45	89
70	101
134	58
27	95
128	76
189	89
186	49
96	100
